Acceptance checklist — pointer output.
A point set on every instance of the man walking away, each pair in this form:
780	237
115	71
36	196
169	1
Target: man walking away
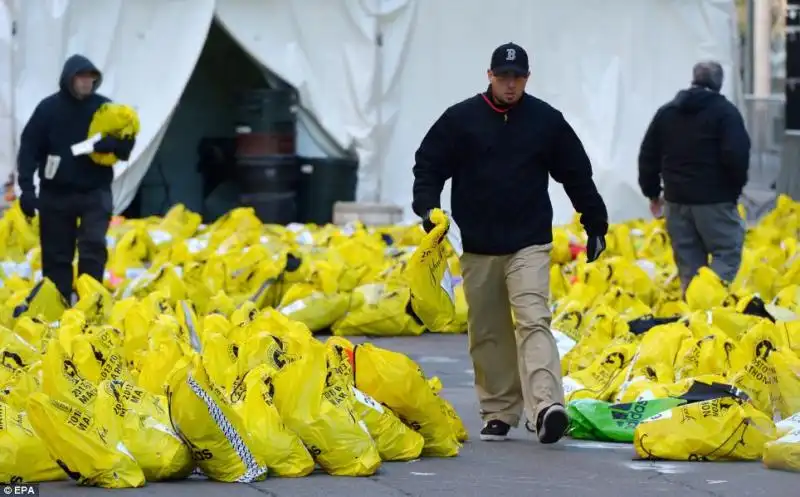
71	187
500	147
698	145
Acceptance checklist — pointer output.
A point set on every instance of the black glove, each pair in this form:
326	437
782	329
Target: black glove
428	225
594	247
28	203
107	145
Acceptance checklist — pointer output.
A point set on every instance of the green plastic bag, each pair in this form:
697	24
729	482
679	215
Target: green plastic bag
605	422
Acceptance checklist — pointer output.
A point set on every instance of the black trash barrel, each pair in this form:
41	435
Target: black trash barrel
266	123
325	181
269	184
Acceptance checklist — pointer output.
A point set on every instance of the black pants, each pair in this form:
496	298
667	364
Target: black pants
60	231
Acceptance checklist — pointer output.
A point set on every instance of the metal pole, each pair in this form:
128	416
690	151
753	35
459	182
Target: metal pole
762	48
747	69
379	151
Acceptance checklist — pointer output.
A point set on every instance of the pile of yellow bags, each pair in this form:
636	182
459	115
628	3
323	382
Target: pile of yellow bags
117	392
350	280
632	338
189	295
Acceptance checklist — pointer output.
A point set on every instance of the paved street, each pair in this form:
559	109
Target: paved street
517	468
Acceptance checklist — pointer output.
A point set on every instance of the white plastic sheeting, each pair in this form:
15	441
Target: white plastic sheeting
7	126
608	65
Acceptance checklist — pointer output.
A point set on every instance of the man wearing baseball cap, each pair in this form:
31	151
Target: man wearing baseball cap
500	148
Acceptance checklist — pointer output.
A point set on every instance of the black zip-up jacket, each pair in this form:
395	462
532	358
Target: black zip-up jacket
500	161
698	144
58	122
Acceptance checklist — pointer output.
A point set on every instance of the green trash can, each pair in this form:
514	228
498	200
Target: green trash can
323	182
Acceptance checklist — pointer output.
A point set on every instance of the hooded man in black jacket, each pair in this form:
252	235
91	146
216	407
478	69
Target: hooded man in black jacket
500	148
72	188
697	144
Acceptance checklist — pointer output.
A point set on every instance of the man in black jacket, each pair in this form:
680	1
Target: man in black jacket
698	145
72	188
500	148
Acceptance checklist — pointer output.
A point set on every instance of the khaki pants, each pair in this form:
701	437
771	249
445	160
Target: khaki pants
502	355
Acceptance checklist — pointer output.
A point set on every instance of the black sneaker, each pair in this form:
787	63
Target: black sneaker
495	431
552	424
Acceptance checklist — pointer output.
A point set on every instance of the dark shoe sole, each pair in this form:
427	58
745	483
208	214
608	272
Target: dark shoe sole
493	438
554	425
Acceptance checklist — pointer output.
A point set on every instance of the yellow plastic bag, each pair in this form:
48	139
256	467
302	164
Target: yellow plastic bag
603	378
316	309
44	300
32	331
377	309
728	320
783	453
714	430
600	327
20	385
462	435
430	279
117	120
94	301
321	412
282	451
714	353
23	455
568	315
221	363
157	362
216	436
87	450
99	361
144	428
62	380
706	290
657	351
396	381
394	440
770	376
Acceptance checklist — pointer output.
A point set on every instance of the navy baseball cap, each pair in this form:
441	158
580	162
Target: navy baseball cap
510	58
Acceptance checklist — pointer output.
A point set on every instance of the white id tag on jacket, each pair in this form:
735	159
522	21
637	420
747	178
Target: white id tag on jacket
86	146
51	166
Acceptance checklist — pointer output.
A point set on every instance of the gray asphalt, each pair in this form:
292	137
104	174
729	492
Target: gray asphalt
519	467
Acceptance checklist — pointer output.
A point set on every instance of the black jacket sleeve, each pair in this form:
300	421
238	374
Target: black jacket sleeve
735	146
32	148
571	167
433	164
650	160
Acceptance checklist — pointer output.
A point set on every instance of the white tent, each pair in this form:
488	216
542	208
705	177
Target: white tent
374	74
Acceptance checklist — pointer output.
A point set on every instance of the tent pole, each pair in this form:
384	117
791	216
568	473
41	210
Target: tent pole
762	48
379	151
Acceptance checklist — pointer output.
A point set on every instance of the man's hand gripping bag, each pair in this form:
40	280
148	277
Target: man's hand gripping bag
432	289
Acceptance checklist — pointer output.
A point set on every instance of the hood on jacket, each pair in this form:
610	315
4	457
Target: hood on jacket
74	65
695	99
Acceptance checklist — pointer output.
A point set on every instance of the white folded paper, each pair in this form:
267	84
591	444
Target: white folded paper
87	146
